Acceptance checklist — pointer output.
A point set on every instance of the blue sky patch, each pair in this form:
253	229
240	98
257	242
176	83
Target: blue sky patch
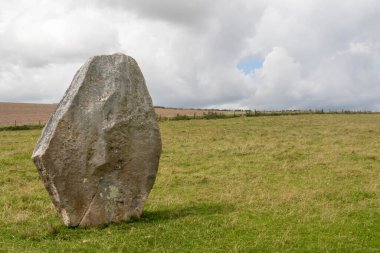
247	65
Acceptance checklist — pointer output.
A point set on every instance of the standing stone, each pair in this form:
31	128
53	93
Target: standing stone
98	155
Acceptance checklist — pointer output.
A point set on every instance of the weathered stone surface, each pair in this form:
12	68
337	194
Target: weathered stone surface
98	155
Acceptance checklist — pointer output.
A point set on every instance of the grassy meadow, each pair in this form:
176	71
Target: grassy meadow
306	183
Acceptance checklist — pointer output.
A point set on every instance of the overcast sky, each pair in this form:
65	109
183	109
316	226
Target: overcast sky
284	54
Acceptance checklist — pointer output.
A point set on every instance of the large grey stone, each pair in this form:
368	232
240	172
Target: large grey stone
98	155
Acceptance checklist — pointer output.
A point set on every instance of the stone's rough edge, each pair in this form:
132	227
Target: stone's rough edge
49	129
47	134
63	104
53	193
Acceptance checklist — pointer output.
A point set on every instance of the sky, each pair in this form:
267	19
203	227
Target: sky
241	54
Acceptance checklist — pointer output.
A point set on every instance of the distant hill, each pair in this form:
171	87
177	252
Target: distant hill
25	113
29	113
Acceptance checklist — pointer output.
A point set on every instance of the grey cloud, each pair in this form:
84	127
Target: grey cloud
176	12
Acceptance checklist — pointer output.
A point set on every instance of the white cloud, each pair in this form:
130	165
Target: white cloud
361	48
315	54
43	34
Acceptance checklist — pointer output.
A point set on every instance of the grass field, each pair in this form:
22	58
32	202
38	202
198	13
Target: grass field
263	184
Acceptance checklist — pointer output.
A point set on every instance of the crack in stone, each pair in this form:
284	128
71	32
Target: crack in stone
88	208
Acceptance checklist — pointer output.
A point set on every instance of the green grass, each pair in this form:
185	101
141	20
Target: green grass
307	183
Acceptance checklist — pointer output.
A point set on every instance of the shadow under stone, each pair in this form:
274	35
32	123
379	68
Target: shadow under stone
201	209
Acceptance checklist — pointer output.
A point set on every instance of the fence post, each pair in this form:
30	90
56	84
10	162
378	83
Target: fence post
15	123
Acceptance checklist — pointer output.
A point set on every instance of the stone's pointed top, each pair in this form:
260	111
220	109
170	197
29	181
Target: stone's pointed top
98	154
111	55
122	54
107	56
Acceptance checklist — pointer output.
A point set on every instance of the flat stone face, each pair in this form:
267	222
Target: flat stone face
98	155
